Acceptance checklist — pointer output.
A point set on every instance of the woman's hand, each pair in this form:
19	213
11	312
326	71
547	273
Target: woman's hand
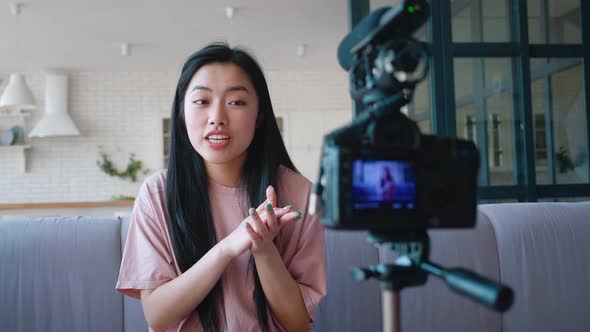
262	229
238	241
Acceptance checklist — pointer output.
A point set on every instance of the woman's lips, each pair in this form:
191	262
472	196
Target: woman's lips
217	141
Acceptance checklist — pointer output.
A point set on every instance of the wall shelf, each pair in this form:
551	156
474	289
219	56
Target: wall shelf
9	118
15	147
21	114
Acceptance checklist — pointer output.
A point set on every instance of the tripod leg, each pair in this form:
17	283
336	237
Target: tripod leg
390	310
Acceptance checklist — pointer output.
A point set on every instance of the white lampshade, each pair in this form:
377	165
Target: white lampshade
55	120
17	93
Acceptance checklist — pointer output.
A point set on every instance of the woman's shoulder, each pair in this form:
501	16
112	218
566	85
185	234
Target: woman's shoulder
150	203
155	182
293	188
153	187
289	177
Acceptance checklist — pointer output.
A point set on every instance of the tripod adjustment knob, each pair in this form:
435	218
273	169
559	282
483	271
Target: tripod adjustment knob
362	273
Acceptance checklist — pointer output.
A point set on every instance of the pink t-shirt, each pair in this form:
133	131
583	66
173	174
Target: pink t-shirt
149	262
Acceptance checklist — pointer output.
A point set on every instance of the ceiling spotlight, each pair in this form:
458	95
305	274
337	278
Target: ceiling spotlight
229	12
15	8
125	49
300	50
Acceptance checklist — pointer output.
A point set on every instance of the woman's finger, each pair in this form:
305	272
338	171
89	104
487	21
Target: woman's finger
257	223
262	206
290	217
271	196
271	219
279	212
251	232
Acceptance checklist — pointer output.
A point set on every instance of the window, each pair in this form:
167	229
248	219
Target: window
554	21
485	113
561	145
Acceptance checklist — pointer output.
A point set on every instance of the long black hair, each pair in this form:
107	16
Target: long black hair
190	222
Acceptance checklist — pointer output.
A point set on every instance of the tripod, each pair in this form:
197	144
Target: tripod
411	269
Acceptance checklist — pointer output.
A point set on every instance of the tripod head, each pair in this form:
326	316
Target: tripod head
412	267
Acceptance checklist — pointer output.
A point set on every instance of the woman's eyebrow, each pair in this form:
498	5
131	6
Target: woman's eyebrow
231	88
200	87
238	88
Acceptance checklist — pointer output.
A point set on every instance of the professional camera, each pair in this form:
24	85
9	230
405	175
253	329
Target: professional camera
380	173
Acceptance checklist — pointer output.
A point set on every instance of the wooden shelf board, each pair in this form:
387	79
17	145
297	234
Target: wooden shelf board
15	147
62	205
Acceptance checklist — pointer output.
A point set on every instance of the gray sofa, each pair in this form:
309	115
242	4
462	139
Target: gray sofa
58	274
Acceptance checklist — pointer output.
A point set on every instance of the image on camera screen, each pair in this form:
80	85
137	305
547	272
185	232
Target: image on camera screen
384	184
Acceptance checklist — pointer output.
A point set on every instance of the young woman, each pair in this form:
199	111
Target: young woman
386	185
197	257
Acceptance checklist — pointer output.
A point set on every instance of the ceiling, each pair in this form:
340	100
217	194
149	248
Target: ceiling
86	35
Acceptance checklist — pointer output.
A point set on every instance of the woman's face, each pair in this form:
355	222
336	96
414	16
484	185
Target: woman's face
220	109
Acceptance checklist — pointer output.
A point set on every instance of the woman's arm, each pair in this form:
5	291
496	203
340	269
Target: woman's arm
175	300
281	290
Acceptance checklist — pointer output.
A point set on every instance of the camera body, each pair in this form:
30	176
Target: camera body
381	188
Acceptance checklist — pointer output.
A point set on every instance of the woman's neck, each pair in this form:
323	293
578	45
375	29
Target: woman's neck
225	174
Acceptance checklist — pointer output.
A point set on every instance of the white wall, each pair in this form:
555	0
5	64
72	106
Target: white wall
123	112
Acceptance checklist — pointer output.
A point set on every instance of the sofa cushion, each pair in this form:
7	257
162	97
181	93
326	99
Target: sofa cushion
133	318
543	254
58	274
350	305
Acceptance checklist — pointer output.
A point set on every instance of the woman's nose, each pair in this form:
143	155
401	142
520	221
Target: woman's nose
217	115
215	122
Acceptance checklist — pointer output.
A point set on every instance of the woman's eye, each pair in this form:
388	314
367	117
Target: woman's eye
237	103
199	102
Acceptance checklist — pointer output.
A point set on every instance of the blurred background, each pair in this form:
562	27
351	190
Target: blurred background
508	75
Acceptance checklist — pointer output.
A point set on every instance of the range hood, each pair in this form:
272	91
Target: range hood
55	120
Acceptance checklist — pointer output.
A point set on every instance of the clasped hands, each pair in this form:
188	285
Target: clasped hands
259	229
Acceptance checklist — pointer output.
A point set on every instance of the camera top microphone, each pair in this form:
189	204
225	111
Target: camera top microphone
360	31
387	23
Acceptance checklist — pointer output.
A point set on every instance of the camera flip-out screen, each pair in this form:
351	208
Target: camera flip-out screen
384	185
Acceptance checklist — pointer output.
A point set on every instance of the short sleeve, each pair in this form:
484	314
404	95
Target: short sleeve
147	261
308	266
